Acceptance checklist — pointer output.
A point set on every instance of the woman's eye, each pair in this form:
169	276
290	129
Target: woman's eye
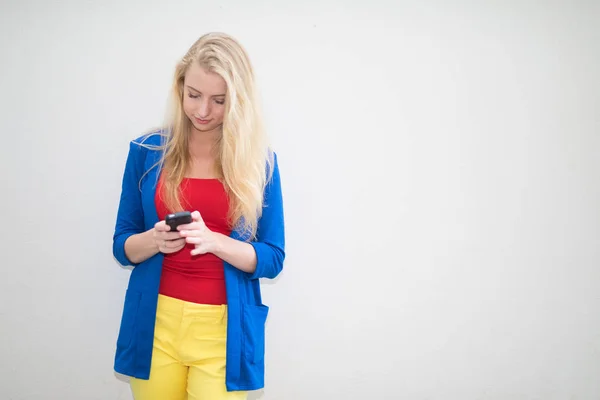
221	102
192	96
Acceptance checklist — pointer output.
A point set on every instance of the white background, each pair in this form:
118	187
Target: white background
441	174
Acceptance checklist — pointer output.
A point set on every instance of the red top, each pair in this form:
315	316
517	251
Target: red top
197	279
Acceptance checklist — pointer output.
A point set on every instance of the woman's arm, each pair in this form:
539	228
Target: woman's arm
132	243
262	258
130	216
140	247
235	252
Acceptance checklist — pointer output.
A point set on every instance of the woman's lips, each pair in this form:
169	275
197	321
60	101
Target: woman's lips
202	121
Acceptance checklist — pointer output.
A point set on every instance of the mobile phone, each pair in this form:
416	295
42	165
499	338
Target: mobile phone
178	218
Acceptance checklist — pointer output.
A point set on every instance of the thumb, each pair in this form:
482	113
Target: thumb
197	217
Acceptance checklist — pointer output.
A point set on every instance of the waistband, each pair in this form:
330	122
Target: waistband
189	309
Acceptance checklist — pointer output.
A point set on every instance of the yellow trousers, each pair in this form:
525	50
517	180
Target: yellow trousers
188	359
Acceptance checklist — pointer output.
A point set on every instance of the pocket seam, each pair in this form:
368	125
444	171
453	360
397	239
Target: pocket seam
130	311
254	316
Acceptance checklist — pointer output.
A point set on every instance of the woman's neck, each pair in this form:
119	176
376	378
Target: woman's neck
202	145
203	150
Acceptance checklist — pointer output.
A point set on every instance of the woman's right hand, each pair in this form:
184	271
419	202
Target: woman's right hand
167	241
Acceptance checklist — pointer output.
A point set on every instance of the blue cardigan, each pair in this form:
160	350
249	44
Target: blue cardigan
246	313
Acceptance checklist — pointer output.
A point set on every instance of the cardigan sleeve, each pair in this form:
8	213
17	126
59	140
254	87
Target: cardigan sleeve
270	239
130	215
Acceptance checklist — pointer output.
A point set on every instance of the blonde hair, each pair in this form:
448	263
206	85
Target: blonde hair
244	159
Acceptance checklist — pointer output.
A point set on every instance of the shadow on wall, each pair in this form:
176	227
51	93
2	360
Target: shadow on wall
122	378
253	395
256	395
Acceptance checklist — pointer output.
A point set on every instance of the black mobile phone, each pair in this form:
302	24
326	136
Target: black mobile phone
178	218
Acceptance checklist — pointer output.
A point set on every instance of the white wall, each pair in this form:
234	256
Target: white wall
441	177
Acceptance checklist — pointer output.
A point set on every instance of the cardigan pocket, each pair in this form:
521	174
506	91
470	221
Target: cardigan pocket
130	309
253	320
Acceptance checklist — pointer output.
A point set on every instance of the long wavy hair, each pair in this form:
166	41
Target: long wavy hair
244	159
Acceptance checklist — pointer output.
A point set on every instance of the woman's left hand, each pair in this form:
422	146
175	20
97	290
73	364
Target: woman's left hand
198	234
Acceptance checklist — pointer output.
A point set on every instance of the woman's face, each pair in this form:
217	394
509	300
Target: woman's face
204	98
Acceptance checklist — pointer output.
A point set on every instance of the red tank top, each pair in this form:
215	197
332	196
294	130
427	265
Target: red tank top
197	279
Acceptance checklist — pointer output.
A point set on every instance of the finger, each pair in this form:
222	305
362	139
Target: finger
197	251
197	217
172	244
190	227
167	235
194	240
161	226
197	232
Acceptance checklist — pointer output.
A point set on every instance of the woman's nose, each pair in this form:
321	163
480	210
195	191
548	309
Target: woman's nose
203	110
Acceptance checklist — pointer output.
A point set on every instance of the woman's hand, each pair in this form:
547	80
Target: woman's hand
166	241
198	234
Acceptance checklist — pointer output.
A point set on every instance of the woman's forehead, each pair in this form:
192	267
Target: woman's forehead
206	82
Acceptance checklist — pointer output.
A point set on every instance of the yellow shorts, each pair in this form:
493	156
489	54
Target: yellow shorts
188	359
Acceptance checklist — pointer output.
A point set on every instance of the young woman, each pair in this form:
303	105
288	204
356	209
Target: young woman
193	324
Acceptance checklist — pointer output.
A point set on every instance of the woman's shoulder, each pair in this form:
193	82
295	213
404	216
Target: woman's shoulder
153	140
141	147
